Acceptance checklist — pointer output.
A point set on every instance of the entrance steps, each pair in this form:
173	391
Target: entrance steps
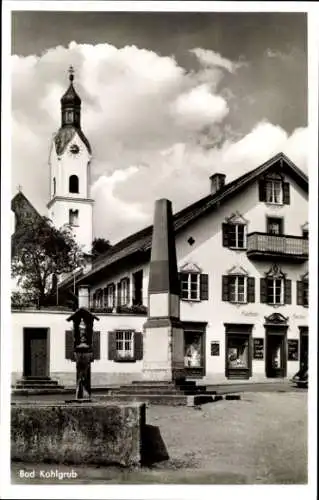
162	393
37	385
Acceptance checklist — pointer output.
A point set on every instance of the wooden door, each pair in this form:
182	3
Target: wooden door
36	359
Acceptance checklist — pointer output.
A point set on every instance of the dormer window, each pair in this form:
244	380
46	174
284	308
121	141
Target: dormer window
235	232
273	190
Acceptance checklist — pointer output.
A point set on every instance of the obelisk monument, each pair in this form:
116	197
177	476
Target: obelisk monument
163	358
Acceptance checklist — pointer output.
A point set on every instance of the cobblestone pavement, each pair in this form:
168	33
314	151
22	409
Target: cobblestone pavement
260	439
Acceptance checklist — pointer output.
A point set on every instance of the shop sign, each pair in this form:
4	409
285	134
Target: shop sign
293	346
258	351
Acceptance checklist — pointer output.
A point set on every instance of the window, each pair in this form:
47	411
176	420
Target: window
235	232
274	225
68	116
275	289
303	291
73	184
273	189
190	286
124	292
237	289
73	217
138	288
124	344
109	296
54	186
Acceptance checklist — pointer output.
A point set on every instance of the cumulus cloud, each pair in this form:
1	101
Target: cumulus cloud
156	130
211	58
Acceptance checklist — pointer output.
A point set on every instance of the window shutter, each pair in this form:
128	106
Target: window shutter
225	228
262	190
225	293
111	345
204	287
263	291
286	193
69	345
250	289
299	293
287	291
180	283
118	302
96	345
138	346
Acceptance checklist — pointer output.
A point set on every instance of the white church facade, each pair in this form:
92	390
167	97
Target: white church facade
242	255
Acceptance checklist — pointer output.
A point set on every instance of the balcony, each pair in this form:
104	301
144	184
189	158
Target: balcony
264	246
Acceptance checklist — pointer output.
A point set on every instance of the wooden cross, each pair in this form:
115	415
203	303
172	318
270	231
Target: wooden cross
19	188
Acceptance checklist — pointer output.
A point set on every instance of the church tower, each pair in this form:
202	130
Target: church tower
69	162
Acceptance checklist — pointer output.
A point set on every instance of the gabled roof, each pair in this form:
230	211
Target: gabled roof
21	205
142	240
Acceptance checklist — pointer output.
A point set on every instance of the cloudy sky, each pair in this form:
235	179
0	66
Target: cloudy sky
167	100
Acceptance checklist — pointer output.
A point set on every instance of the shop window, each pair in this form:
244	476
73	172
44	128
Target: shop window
275	289
73	184
192	349
238	351
73	217
273	190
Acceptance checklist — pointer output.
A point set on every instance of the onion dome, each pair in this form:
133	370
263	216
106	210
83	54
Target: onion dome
70	98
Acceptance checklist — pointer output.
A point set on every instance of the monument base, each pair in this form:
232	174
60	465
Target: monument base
163	358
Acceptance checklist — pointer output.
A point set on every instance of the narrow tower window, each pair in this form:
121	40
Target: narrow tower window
54	186
73	217
73	184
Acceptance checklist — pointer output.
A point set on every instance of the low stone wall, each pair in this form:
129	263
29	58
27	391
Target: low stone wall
77	433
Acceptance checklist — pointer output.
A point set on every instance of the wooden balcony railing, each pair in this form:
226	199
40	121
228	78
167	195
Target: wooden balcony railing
270	244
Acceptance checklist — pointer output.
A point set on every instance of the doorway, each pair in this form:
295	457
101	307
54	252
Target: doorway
36	352
276	358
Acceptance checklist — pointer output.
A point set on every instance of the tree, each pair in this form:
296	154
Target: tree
40	254
100	246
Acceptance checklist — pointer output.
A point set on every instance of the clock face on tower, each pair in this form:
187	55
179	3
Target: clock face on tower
74	149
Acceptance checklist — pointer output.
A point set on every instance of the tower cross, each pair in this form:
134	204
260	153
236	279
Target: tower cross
71	73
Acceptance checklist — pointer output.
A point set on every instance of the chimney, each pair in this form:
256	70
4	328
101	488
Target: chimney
217	181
